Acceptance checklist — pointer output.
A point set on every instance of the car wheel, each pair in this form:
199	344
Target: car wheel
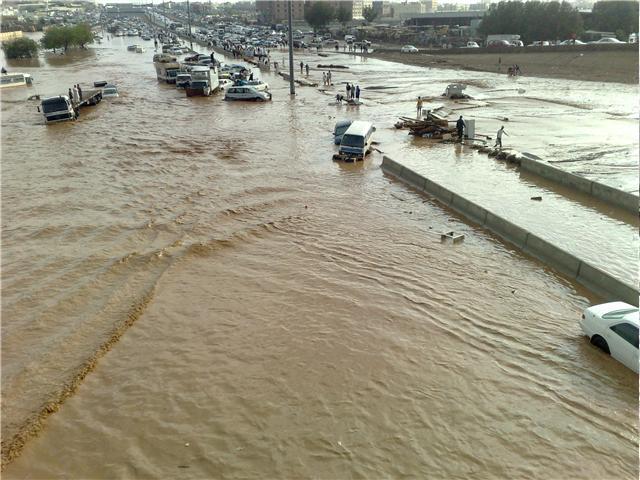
601	343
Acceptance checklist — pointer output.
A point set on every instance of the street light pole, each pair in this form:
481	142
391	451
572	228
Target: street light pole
292	87
189	19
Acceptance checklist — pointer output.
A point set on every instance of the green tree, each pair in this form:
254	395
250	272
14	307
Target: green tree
318	15
614	16
81	35
533	20
54	38
369	14
343	15
20	48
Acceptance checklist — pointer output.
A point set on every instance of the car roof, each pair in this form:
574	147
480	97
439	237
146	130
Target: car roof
359	128
342	123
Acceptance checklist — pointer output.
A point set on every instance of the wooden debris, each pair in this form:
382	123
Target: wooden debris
332	66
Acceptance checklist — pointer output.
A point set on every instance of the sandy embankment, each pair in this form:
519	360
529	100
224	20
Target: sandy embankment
600	66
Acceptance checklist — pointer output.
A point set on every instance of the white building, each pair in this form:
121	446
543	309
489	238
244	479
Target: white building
359	6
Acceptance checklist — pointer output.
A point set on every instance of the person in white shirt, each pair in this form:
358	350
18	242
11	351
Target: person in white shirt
499	137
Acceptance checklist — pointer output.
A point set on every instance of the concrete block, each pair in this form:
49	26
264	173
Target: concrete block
391	166
438	191
469	209
611	195
413	178
604	284
552	255
506	230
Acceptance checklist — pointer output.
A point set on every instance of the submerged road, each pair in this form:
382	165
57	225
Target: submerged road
287	316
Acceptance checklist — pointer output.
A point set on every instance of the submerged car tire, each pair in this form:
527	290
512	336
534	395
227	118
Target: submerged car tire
601	343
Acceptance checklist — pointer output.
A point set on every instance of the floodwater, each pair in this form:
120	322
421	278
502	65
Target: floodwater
211	296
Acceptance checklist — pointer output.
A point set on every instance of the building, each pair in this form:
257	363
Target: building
358	8
275	11
404	10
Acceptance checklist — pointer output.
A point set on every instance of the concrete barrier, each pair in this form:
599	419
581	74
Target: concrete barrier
552	255
596	280
507	230
610	195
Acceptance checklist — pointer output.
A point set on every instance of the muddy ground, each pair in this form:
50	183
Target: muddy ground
601	66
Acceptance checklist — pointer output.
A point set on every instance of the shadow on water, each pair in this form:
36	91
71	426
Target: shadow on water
18	63
61	59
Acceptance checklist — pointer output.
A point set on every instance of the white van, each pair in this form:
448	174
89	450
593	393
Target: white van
356	141
349	38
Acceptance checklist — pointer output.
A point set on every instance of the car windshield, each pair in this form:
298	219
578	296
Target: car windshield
199	84
353	141
54	105
110	91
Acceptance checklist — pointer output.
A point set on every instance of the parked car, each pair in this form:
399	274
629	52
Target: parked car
539	43
339	129
516	43
246	92
498	44
109	90
608	40
571	42
471	45
409	49
613	328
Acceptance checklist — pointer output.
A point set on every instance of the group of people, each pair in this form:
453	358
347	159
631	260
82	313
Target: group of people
326	78
304	67
75	94
514	70
353	92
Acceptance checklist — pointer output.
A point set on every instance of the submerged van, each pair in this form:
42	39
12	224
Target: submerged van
356	141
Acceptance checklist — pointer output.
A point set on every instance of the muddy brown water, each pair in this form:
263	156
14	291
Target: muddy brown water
242	306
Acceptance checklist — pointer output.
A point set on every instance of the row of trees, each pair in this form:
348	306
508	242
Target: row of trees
533	20
616	16
319	14
536	20
67	36
20	48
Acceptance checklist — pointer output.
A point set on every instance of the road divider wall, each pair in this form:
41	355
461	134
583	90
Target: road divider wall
593	278
610	195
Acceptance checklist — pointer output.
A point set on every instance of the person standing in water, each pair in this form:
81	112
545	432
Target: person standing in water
419	107
499	137
460	126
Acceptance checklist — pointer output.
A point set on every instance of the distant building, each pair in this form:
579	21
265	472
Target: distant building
275	11
359	6
406	10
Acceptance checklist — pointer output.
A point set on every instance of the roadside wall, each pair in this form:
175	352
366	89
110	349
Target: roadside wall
604	47
596	280
610	195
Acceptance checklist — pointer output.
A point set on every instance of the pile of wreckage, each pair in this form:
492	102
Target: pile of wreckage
431	126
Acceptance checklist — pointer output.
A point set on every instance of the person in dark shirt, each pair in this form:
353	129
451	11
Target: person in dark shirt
460	126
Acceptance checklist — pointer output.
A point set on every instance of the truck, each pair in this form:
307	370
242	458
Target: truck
57	109
512	38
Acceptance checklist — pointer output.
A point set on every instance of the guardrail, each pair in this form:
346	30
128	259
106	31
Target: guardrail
602	47
593	278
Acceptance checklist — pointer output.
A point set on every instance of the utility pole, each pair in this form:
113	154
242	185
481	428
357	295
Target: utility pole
189	31
292	87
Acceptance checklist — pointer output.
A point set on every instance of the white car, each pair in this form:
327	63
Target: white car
246	92
572	42
608	40
472	45
409	49
613	328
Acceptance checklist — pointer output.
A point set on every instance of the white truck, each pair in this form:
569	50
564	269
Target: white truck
57	109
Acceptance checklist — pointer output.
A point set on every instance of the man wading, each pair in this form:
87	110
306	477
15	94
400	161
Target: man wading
460	126
419	106
499	137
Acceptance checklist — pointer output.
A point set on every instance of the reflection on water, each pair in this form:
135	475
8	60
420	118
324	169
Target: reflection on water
285	315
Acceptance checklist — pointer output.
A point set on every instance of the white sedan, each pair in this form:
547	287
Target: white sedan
608	40
613	328
409	49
